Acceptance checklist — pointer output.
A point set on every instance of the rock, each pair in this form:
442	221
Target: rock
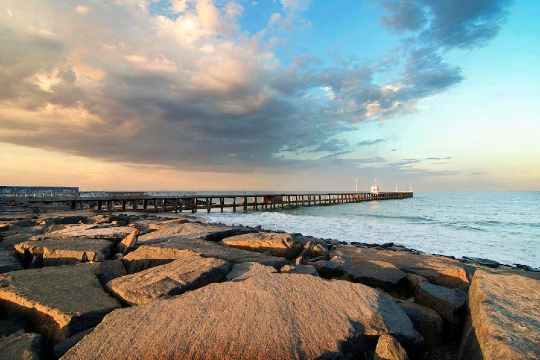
115	233
184	229
21	346
109	270
276	244
376	273
315	249
164	252
59	300
327	269
426	321
8	261
4	227
388	348
62	347
504	318
129	242
300	269
188	273
484	262
449	303
149	256
437	269
246	270
267	316
64	251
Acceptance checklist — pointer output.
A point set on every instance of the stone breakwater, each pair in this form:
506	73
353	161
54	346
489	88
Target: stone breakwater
82	285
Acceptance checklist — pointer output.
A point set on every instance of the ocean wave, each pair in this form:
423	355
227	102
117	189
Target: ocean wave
399	217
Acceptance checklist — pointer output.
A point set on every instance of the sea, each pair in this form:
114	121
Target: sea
501	226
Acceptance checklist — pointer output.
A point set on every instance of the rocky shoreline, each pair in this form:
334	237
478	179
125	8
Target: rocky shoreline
81	285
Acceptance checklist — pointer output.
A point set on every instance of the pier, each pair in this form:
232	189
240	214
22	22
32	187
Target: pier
137	201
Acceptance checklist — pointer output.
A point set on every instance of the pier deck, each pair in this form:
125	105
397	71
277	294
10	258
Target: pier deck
194	203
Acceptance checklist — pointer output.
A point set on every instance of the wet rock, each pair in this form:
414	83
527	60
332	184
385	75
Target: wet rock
185	229
265	316
388	348
188	273
376	273
437	269
21	346
246	270
481	261
64	251
8	261
449	303
58	301
276	244
115	233
504	318
427	321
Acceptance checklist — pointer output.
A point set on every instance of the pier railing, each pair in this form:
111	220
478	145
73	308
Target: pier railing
221	202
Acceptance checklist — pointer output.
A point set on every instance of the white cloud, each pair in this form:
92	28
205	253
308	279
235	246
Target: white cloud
82	10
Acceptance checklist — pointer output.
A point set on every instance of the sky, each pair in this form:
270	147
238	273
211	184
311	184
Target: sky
433	95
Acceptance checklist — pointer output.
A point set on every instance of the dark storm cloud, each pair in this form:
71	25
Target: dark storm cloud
448	23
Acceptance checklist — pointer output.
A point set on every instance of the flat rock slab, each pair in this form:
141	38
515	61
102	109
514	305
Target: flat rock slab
266	316
190	272
190	230
58	300
439	270
376	273
505	318
276	244
157	254
21	346
65	251
8	261
115	233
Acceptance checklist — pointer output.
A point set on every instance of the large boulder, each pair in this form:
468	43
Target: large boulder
504	319
151	255
21	346
8	261
57	300
184	229
190	272
437	269
376	273
449	303
92	231
276	244
4	227
64	251
388	348
266	316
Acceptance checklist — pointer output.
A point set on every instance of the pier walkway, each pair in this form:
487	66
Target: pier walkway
126	201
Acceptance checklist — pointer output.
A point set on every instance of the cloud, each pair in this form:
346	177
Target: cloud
370	142
447	23
438	158
182	85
